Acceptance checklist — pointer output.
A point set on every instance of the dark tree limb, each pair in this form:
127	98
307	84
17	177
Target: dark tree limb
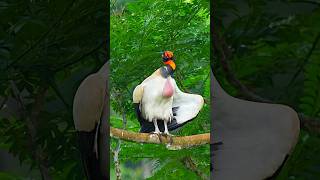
116	151
42	37
31	120
223	50
311	124
38	153
116	160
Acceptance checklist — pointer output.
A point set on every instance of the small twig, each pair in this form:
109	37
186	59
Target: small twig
124	118
188	162
116	160
117	150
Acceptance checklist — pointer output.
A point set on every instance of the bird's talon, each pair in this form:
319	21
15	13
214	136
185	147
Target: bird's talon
156	132
167	134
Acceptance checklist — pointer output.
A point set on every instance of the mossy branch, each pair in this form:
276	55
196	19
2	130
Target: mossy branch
171	142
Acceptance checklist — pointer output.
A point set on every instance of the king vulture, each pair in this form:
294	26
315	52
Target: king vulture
158	98
90	110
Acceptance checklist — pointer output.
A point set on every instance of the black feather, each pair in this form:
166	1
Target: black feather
91	165
147	127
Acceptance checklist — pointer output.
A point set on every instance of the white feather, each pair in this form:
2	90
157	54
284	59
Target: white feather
154	105
189	105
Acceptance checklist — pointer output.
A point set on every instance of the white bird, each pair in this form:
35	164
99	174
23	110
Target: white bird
158	98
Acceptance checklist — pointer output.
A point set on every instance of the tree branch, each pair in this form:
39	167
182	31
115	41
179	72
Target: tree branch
44	35
116	152
38	153
31	119
311	124
172	143
221	47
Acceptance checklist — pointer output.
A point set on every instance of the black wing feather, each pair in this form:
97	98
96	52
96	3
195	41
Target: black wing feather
147	127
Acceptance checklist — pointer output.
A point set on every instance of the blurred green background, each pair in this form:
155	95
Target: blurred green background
46	49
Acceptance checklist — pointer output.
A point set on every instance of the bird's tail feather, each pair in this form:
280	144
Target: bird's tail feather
88	156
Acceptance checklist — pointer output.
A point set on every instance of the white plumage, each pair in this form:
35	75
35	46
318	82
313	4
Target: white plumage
155	106
189	105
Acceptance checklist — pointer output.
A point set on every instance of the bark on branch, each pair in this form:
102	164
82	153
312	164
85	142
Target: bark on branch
172	143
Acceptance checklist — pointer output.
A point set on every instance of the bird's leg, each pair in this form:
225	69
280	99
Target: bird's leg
156	128
166	128
166	132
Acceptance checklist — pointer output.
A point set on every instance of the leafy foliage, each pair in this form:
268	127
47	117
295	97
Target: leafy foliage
310	101
50	45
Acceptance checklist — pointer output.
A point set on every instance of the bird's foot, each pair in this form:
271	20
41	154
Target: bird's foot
166	134
156	132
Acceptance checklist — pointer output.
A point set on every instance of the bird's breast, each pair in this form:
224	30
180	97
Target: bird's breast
157	99
168	88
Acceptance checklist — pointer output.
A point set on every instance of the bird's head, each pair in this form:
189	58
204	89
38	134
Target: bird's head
168	59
